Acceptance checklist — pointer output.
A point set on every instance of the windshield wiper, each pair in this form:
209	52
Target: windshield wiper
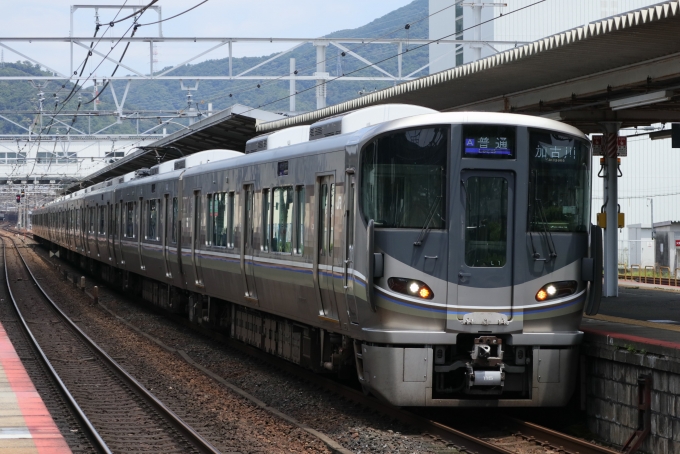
426	228
548	234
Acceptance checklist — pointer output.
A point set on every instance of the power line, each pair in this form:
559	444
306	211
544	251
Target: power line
406	27
176	15
399	53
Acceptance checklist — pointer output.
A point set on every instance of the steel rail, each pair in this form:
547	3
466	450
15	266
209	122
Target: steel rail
92	434
462	441
560	442
198	442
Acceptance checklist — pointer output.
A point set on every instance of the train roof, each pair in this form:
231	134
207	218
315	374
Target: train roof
211	160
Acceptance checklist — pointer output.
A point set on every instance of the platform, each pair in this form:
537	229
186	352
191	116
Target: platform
641	314
26	426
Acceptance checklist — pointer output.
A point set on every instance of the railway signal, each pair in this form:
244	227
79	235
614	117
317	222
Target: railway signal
18	198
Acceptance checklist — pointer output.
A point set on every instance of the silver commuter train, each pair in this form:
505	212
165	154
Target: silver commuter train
441	256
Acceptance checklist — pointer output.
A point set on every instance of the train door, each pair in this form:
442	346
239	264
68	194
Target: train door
109	231
165	232
483	266
141	215
122	229
89	229
196	239
325	245
98	227
82	224
247	250
348	263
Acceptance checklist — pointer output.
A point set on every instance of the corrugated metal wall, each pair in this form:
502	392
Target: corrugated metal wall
553	16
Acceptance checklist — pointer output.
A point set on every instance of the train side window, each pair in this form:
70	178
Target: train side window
175	211
152	219
265	220
218	214
300	220
91	219
129	220
116	220
111	224
210	227
102	219
282	220
230	221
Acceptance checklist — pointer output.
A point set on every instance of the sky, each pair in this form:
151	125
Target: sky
216	18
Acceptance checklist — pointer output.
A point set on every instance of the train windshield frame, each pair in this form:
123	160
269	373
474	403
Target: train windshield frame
404	178
559	182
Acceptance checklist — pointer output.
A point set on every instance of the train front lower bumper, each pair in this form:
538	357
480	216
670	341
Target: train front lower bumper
405	376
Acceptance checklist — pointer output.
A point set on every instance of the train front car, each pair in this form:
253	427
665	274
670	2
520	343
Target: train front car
477	227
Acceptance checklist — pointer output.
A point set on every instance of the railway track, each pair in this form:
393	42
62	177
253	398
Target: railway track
119	413
520	436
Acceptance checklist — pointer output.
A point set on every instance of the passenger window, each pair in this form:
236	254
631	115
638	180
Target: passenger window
282	219
265	220
91	220
210	226
175	210
217	217
116	221
300	220
323	229
152	219
102	219
130	220
230	221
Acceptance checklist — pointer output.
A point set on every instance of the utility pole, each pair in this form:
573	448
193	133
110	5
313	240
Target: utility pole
651	206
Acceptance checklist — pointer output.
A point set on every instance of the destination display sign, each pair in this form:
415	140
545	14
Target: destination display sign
489	141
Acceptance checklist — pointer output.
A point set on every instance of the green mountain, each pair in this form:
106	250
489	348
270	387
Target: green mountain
167	95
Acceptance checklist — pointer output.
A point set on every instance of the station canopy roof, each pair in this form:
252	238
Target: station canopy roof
623	69
228	129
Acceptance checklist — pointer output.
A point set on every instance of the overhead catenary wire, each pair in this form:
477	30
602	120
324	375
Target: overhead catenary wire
162	123
398	54
354	49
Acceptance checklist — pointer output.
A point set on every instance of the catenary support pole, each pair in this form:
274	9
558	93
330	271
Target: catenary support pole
292	85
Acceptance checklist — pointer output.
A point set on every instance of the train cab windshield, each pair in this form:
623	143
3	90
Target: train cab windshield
403	182
559	182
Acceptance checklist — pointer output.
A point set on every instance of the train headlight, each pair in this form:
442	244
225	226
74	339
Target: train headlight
556	290
410	287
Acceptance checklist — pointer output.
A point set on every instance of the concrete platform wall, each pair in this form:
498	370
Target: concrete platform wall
613	366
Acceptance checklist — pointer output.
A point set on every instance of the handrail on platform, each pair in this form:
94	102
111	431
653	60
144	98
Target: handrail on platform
639	270
653	273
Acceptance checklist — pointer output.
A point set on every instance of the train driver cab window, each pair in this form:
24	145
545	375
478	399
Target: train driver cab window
403	179
130	219
282	220
559	182
300	220
152	219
